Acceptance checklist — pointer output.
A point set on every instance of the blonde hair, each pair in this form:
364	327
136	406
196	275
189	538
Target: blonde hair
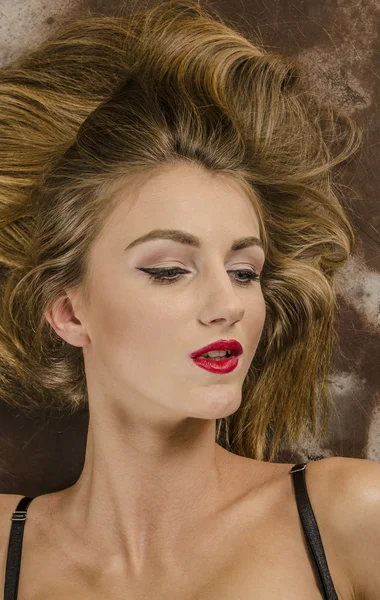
105	102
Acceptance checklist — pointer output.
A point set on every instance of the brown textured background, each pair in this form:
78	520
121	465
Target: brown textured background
339	41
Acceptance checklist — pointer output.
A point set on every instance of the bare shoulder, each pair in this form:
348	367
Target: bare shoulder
345	492
8	503
348	487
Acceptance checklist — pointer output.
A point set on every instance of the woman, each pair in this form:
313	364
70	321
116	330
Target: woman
167	185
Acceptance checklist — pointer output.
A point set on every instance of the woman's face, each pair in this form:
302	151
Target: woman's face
140	332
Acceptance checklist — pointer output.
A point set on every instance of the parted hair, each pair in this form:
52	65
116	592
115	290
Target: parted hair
106	102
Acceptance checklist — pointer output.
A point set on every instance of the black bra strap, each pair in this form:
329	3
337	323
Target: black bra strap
309	523
313	538
15	549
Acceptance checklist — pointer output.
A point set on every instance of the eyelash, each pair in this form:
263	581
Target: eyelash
158	275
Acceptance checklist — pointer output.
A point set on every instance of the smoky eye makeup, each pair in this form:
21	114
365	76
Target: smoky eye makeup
172	252
186	258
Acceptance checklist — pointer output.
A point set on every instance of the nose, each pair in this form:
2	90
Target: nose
222	298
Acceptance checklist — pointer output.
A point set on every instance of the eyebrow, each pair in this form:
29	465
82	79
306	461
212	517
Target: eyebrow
183	237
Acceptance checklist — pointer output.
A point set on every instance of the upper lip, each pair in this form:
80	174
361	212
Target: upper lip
233	345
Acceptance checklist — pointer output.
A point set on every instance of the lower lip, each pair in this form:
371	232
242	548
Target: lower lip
225	365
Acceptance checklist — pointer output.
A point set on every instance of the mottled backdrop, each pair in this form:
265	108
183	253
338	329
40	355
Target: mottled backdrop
339	40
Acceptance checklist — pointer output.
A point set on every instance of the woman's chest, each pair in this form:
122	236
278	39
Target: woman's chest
256	553
262	574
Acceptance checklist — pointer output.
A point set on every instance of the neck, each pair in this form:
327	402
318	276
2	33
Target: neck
141	492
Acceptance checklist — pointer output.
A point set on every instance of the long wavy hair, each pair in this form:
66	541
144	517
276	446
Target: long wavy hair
106	102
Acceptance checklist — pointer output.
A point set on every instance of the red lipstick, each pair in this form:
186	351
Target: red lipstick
221	365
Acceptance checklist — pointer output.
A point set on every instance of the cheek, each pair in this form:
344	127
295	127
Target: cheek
257	316
129	322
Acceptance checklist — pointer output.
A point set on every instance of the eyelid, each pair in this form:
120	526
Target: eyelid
256	261
257	268
192	249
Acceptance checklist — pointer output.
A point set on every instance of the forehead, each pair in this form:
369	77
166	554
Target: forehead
185	197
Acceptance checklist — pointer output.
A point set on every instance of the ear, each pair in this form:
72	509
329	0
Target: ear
63	317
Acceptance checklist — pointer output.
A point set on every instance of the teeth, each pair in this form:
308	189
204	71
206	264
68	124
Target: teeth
217	353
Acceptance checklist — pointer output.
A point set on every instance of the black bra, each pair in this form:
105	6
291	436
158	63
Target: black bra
309	525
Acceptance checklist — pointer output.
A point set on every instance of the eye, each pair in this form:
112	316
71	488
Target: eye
161	276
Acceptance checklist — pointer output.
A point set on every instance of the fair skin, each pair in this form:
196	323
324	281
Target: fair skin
153	473
159	509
